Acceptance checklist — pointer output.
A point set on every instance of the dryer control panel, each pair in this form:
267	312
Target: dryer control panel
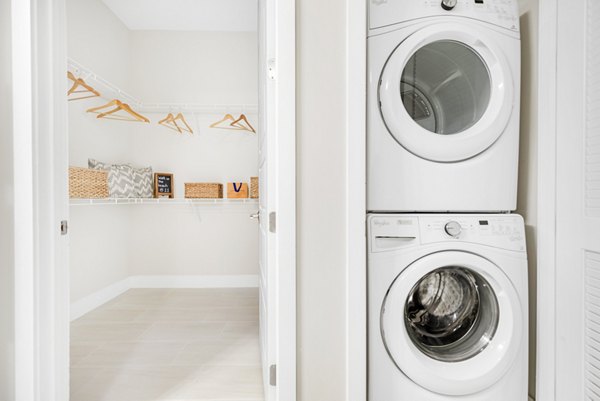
390	232
503	13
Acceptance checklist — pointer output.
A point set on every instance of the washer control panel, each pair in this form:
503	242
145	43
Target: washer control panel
503	13
391	232
453	229
499	231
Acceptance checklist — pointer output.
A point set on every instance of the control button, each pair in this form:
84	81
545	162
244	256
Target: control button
453	228
448	4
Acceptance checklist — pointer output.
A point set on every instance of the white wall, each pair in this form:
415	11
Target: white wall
99	248
195	67
321	275
188	240
99	255
6	210
211	68
110	243
527	201
96	37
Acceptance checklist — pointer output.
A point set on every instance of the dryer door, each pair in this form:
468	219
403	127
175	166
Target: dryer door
452	322
446	92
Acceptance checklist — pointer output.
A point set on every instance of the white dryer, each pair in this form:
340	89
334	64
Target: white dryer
447	306
443	105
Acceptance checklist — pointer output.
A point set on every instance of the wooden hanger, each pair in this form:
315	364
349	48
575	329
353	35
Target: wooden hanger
79	82
231	126
180	117
132	115
169	122
244	119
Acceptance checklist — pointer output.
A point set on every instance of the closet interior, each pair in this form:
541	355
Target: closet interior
163	155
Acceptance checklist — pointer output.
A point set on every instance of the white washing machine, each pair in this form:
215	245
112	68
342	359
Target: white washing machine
443	105
447	308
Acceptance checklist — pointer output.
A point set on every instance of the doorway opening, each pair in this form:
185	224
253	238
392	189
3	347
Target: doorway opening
172	281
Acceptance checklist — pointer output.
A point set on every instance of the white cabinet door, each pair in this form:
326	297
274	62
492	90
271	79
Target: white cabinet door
578	201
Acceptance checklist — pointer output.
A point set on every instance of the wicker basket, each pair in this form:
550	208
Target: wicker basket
87	183
203	190
254	187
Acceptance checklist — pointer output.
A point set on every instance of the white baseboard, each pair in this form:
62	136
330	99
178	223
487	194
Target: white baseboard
241	281
93	301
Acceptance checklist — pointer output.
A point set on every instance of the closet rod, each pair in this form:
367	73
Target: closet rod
112	91
198	108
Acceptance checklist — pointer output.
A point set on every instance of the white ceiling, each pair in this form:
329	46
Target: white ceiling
187	15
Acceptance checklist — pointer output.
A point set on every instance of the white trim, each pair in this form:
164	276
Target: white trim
48	30
239	281
546	252
356	258
284	133
24	251
98	298
106	294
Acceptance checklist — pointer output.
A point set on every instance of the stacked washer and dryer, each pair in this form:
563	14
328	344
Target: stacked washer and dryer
447	264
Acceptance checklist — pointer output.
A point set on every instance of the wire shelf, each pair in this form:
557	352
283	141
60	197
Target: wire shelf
164	201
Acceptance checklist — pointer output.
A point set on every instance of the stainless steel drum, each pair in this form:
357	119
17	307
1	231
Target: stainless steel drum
451	314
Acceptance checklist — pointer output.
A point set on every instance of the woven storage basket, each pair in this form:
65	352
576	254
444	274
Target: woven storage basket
87	183
254	187
203	190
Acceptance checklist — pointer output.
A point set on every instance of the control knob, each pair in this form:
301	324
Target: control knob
453	228
449	4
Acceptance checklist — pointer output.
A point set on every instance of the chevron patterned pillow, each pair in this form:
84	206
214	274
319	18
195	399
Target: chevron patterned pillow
120	178
98	165
142	182
120	181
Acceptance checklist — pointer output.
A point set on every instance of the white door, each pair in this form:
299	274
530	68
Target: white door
277	199
426	92
578	201
266	199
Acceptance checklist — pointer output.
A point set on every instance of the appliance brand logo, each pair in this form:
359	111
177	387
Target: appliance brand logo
386	223
378	2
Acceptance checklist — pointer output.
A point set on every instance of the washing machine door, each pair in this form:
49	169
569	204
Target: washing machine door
452	322
446	92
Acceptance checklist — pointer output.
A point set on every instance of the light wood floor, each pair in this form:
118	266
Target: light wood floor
169	345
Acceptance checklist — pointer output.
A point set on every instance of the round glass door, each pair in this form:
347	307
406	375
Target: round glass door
445	87
446	92
452	322
451	314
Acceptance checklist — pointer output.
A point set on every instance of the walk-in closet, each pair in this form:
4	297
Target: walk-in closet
164	131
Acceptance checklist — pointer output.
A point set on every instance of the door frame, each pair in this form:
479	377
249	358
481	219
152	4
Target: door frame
546	215
42	61
356	204
24	228
284	26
